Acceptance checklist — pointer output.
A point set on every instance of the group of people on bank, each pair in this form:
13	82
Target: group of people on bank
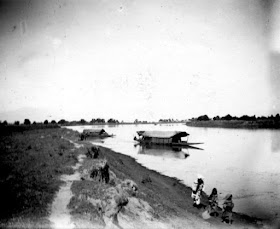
213	206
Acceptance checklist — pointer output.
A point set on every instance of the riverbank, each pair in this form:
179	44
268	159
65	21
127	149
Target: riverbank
37	166
168	197
257	124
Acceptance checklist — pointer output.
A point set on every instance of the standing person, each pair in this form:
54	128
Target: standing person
197	188
227	209
213	203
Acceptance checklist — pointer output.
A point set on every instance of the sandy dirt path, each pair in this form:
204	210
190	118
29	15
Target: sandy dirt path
60	216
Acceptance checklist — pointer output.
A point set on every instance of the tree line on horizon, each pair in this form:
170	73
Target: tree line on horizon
27	122
227	117
82	122
242	118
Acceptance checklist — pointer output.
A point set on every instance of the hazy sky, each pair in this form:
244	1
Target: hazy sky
144	59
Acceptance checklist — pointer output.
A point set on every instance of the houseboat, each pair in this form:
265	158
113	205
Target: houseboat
169	138
94	133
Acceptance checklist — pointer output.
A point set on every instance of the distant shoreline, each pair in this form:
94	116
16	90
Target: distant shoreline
121	123
236	124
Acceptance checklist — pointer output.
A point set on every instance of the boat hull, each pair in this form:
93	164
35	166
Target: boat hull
177	144
95	136
100	136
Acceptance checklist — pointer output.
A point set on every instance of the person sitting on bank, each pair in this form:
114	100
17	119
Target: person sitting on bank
213	203
197	188
227	209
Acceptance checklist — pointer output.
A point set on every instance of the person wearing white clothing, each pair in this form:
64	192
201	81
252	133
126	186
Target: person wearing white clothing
197	188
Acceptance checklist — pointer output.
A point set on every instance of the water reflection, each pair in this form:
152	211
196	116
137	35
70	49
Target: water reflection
163	151
275	143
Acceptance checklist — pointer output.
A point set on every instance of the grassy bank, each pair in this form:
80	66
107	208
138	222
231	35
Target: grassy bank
10	129
31	162
257	124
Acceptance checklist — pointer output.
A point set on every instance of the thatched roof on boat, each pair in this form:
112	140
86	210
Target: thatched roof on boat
96	131
162	134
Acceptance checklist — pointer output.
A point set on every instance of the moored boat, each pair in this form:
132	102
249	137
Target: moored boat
170	138
94	133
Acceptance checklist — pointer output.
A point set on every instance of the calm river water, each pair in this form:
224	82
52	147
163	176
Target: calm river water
245	163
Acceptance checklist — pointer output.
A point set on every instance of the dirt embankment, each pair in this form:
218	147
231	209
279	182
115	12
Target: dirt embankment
159	202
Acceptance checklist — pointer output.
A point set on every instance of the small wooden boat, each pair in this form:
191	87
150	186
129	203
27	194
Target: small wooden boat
95	133
170	138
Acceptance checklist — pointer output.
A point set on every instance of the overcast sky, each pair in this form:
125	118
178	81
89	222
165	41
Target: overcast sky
144	59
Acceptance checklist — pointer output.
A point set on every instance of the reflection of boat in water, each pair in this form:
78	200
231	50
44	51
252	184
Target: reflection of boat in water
163	151
167	138
94	133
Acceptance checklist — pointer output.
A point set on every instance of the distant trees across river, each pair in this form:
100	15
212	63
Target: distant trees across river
243	118
245	121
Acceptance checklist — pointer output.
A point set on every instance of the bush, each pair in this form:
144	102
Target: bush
62	122
146	179
227	117
26	122
203	118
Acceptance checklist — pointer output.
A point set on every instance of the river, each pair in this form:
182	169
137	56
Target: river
245	163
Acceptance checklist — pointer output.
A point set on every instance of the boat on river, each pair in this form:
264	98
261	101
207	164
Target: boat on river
169	138
95	133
